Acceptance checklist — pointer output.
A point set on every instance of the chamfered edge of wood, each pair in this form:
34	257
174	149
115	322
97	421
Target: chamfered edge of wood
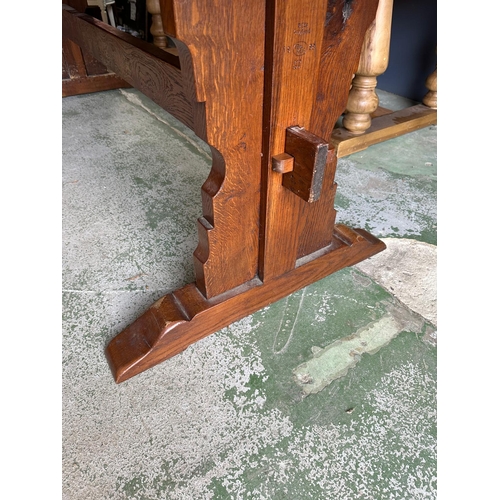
185	316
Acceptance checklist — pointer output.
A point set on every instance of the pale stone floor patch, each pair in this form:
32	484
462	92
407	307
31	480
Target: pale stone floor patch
408	269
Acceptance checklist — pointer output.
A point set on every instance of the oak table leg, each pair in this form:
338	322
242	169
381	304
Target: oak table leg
263	83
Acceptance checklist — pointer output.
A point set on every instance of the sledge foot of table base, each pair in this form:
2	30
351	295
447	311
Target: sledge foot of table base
185	316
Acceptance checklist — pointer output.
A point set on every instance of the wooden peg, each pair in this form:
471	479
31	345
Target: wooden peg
310	155
282	163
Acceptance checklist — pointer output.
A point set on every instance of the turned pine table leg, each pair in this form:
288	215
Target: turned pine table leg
363	99
364	123
430	99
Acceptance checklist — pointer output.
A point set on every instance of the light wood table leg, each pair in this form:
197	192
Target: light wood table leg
430	99
156	29
364	122
363	100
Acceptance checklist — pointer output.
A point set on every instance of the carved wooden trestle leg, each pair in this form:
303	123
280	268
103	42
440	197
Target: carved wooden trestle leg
263	83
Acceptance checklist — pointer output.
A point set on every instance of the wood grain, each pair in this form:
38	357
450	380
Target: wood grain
80	68
310	155
168	17
221	47
185	316
383	128
312	51
247	74
73	59
345	28
89	84
147	68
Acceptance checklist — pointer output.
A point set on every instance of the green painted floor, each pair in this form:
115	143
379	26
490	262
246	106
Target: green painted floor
327	394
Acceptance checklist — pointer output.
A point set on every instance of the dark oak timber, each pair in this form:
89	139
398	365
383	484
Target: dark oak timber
263	82
310	157
221	45
81	72
181	318
144	66
312	51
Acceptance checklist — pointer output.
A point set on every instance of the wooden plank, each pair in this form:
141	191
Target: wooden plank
294	32
168	17
147	68
380	111
94	67
73	59
314	47
344	34
383	128
65	72
89	84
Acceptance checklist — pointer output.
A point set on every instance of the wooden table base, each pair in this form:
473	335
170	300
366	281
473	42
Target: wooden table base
263	82
179	319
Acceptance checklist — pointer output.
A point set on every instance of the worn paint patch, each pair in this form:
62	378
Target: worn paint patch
288	323
385	203
336	359
224	419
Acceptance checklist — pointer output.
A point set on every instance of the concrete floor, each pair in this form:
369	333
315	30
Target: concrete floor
273	406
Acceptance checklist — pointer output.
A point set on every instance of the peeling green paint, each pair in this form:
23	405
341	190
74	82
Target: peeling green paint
225	418
334	360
